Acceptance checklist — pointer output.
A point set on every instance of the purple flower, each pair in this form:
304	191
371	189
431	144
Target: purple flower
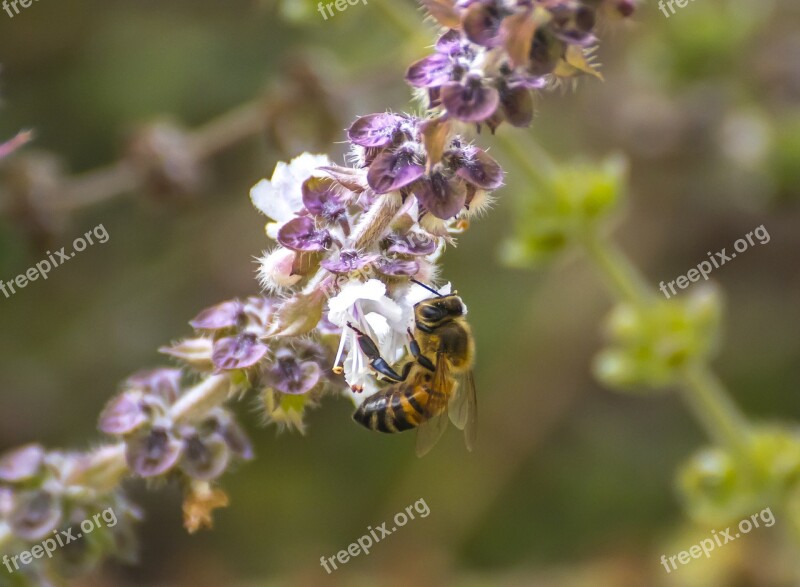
233	435
224	315
479	169
35	515
258	313
392	171
322	199
22	463
517	103
450	43
290	375
431	71
375	130
124	414
238	352
395	267
471	100
162	382
418	244
441	196
153	453
204	459
481	22
300	234
348	261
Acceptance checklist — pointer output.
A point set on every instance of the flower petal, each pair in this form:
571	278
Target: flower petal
517	106
348	261
442	197
374	130
163	382
36	514
321	198
414	243
280	198
481	23
224	315
123	414
22	463
288	375
238	352
481	170
205	459
450	42
470	101
392	171
300	234
433	70
397	267
154	453
339	305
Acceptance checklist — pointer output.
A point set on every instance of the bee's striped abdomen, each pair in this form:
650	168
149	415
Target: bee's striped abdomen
394	409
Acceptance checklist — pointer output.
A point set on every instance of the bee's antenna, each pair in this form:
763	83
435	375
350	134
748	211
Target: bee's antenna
428	287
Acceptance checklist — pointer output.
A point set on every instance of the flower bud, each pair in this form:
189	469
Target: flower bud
276	270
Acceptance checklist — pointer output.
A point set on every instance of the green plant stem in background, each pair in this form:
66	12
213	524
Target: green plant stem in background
710	403
620	274
702	392
524	154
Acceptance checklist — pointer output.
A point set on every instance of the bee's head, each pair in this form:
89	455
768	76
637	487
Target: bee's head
436	311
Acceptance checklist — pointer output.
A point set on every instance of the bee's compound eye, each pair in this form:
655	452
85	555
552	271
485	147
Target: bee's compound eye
432	313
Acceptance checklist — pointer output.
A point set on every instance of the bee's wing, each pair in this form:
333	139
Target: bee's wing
464	409
431	430
429	433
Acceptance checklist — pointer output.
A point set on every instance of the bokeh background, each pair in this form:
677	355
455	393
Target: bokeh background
571	484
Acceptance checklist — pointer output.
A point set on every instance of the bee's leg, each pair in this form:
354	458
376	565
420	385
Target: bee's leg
415	350
374	355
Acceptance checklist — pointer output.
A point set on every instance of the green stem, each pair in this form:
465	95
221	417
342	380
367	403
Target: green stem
622	276
701	390
531	158
710	403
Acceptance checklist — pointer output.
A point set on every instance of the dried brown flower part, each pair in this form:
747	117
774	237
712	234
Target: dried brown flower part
199	505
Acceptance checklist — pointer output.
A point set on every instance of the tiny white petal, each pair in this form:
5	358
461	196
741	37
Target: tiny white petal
379	324
339	306
418	293
282	196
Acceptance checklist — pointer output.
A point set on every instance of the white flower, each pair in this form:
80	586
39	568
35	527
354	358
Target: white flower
282	197
386	321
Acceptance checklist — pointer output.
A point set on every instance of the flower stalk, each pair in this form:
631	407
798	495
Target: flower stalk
352	245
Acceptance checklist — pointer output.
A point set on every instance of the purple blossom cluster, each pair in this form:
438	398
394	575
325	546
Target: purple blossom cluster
444	174
46	496
158	443
494	52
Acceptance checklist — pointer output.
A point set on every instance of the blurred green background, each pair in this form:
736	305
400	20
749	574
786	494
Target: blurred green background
571	484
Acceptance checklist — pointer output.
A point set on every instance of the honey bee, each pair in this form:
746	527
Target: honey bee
436	382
